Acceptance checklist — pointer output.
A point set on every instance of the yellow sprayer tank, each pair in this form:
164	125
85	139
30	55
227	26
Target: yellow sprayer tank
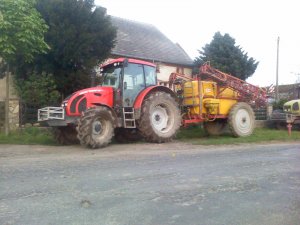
204	97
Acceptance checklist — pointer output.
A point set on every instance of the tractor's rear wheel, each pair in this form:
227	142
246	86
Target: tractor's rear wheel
215	127
241	120
96	127
65	135
160	118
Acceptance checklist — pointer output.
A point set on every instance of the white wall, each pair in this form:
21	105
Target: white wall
166	69
188	71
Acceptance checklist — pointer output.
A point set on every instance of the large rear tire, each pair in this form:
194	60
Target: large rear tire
65	135
160	118
96	127
241	120
214	128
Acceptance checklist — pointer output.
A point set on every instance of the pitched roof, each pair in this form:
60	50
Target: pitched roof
286	88
145	41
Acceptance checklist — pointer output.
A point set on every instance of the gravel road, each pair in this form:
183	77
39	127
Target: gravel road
150	184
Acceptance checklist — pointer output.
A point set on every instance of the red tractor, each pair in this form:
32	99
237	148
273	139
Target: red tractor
128	103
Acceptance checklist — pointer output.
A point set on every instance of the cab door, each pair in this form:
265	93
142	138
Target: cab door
133	83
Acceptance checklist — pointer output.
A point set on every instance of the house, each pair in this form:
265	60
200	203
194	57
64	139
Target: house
289	91
285	91
144	41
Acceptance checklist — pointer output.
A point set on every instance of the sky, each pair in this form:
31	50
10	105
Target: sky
254	24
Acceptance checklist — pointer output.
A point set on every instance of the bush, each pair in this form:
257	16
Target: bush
38	90
279	104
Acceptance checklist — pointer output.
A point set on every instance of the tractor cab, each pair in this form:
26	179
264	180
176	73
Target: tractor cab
292	110
128	77
292	107
127	104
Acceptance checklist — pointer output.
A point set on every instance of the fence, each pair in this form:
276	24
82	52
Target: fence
24	115
261	113
28	114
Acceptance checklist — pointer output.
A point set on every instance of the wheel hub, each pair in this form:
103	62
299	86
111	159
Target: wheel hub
243	120
160	118
97	127
157	117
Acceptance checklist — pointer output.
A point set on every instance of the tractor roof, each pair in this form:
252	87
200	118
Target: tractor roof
111	61
292	102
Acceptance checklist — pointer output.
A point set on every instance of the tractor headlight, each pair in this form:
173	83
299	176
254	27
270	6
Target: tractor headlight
64	104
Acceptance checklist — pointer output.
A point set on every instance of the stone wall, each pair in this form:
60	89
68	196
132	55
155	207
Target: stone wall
14	110
2	115
13	104
261	123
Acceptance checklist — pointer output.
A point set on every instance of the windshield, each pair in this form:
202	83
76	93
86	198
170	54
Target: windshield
111	76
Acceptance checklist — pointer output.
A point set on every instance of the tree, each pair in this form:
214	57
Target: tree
80	36
39	90
224	55
21	31
21	38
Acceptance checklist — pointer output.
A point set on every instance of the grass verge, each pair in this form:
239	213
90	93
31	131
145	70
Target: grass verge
196	135
30	135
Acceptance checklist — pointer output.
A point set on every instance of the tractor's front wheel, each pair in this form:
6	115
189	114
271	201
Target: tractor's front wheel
241	120
160	118
96	127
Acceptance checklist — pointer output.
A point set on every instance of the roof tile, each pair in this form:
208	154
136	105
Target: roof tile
145	41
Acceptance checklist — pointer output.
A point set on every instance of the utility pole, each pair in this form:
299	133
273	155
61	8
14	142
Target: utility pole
277	63
7	102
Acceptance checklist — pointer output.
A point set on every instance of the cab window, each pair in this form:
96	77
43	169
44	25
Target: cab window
133	77
111	76
296	106
150	75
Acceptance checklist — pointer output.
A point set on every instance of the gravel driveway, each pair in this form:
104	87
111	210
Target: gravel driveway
157	184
